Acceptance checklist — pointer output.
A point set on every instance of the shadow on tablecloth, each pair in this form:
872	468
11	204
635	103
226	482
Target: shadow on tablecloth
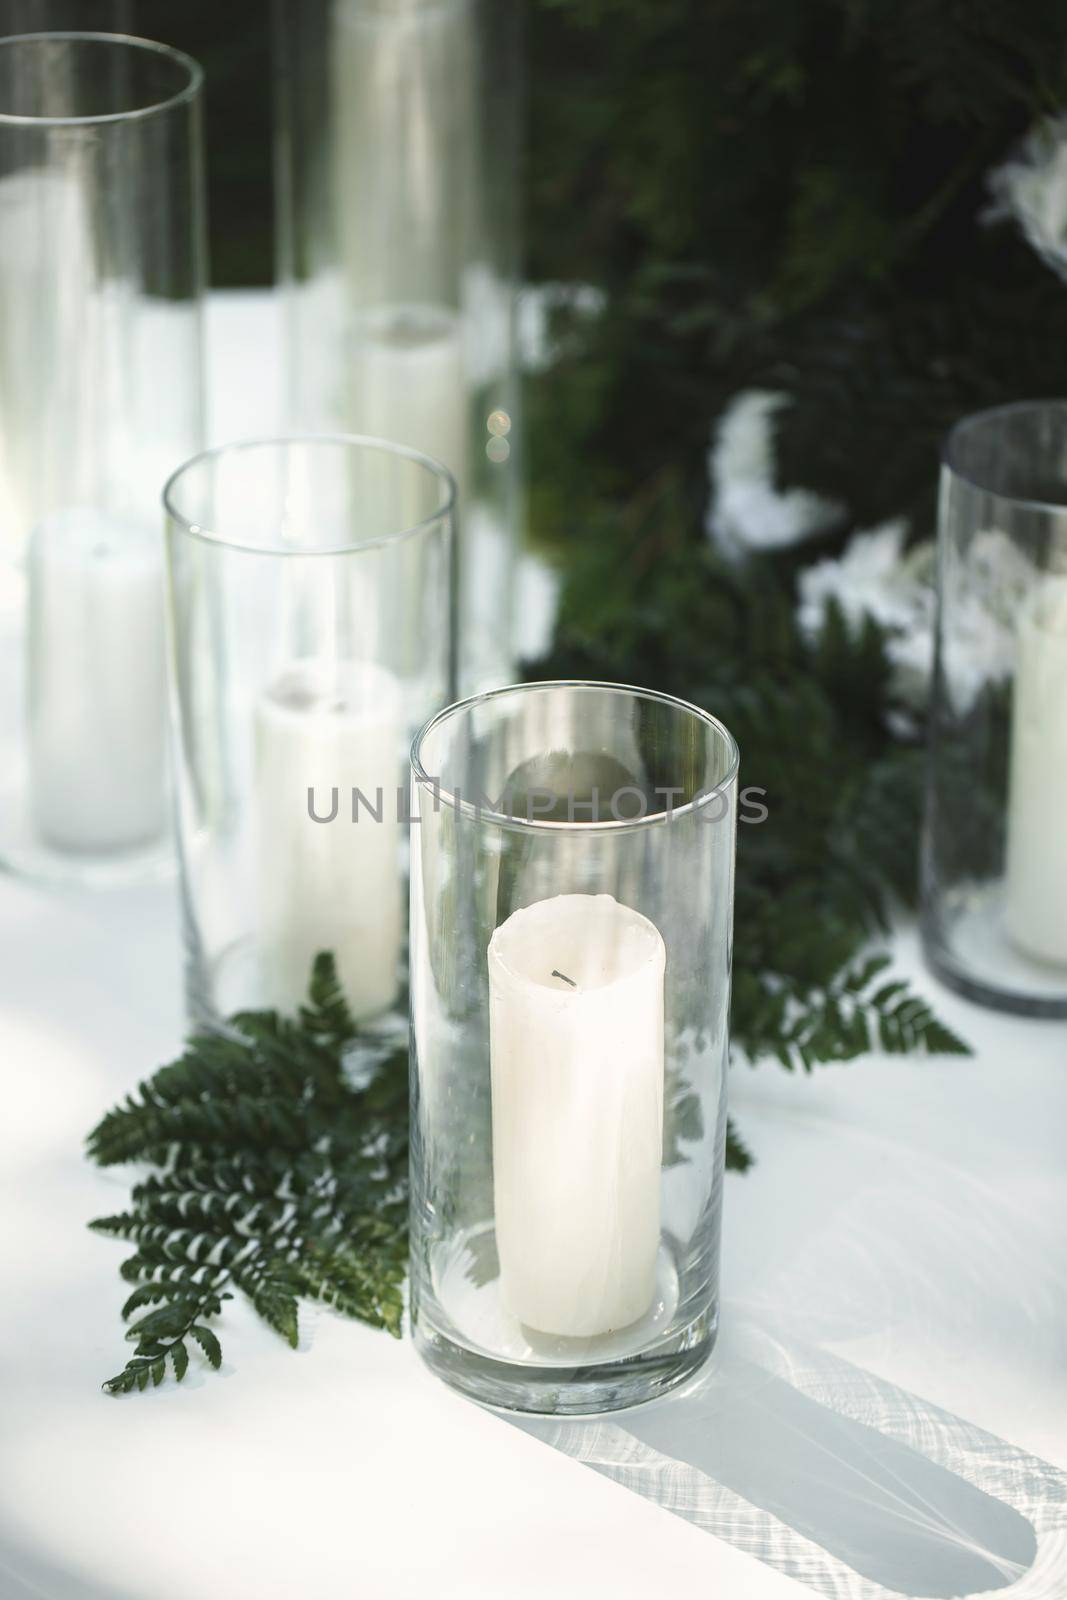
27	1575
836	1478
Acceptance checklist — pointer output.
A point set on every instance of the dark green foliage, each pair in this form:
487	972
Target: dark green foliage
232	43
820	876
963	840
790	194
737	1156
270	1175
854	1014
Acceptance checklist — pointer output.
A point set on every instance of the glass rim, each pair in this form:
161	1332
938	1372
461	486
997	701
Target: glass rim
210	536
502	820
188	92
955	435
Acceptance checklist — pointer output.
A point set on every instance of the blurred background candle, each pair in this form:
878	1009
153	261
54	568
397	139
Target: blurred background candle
397	226
405	148
576	1030
1036	885
96	681
407	383
335	883
994	848
102	268
309	635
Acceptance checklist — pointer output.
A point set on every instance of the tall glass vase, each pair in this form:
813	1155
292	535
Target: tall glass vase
309	626
994	861
102	269
571	924
397	184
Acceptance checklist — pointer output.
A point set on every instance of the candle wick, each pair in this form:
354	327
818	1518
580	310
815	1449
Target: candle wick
565	978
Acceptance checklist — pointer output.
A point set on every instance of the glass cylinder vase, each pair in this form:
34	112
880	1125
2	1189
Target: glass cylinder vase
309	632
995	842
397	205
571	923
102	269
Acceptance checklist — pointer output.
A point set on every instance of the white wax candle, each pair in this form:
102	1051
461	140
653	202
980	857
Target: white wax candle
407	383
97	689
1036	884
329	885
576	1031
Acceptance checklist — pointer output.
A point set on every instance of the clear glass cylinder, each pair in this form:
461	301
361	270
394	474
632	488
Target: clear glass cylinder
309	633
571	924
397	206
995	842
102	271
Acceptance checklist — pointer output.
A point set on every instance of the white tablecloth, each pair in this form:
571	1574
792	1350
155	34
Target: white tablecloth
886	1412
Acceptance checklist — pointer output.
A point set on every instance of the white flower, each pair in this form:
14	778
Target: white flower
875	577
746	511
1031	188
872	577
984	591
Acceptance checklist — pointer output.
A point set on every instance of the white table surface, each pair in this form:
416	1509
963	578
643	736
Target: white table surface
901	1239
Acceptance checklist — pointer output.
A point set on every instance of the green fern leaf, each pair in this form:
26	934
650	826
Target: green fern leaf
274	1172
208	1343
738	1157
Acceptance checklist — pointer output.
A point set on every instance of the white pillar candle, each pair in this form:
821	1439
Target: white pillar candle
97	691
407	384
332	885
1036	885
576	1041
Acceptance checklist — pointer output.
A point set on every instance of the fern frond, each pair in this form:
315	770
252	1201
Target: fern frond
326	1016
855	1015
272	1174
